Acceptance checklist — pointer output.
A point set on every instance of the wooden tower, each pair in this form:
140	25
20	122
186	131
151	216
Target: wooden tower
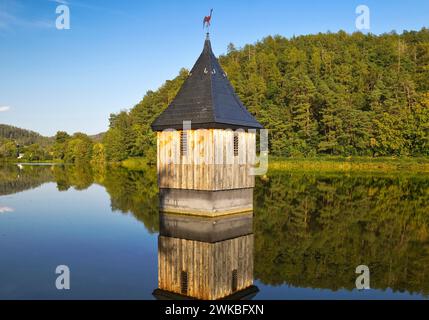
206	144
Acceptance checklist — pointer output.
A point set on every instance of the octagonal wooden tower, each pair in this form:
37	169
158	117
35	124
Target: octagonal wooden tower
206	144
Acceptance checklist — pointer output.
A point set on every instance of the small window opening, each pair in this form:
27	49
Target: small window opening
235	144
184	282
183	143
234	283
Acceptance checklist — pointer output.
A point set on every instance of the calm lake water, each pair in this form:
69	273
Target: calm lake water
311	231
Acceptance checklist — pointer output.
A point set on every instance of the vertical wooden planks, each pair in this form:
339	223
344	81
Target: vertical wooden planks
210	163
209	265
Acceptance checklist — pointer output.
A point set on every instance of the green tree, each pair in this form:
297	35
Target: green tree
35	152
60	145
301	94
79	149
8	149
115	148
98	154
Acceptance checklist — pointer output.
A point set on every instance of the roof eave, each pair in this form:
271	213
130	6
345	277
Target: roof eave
208	125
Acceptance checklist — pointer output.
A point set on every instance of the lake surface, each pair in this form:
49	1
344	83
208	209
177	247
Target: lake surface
311	231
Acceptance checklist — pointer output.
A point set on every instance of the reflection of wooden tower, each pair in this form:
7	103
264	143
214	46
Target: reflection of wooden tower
205	258
203	146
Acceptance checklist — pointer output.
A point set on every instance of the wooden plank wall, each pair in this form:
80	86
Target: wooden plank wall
209	265
210	163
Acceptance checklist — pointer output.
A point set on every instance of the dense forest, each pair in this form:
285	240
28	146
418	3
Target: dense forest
22	136
333	93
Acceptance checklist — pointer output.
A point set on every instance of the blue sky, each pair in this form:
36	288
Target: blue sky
117	50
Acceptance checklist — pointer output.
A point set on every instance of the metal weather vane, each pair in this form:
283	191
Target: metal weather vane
207	20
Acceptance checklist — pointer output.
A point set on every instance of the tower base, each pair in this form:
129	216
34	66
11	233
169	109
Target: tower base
206	203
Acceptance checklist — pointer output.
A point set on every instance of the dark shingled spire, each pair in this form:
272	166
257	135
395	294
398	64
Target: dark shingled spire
207	99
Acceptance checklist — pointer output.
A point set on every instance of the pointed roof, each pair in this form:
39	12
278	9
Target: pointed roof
207	99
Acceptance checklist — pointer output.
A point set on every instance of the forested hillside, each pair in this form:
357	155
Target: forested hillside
335	93
31	146
21	136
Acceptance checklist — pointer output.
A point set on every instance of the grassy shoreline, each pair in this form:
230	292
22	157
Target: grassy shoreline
20	161
323	164
345	164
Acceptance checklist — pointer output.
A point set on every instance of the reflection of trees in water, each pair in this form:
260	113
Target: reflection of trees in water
133	192
313	230
78	177
14	179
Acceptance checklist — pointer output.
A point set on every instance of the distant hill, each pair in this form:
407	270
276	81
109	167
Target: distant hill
23	136
27	137
97	137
